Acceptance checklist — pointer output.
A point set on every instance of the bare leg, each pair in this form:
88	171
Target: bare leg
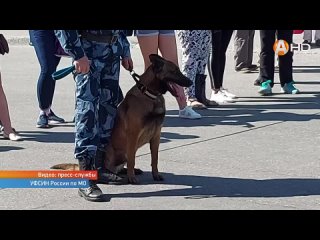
148	45
4	111
168	48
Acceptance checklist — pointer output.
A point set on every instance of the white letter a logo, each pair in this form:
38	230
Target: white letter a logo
281	47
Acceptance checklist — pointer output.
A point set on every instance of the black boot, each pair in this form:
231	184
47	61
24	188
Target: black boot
92	193
200	90
104	175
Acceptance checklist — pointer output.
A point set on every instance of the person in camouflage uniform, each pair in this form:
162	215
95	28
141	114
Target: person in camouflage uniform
97	55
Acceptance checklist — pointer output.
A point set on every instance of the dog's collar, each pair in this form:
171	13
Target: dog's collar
145	91
142	87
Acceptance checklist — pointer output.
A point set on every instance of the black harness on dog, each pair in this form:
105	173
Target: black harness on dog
142	87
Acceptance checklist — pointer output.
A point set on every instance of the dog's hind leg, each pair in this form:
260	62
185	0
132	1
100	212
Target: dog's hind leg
154	148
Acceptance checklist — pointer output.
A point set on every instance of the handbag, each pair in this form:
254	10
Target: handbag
59	52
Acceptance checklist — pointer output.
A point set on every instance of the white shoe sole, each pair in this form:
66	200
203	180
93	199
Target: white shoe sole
295	92
224	101
55	122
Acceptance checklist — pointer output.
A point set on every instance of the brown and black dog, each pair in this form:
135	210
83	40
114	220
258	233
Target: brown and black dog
140	117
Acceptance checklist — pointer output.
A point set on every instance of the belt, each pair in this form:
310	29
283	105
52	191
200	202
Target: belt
110	39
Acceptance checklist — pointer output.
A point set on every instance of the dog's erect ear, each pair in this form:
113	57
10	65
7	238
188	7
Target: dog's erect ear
157	62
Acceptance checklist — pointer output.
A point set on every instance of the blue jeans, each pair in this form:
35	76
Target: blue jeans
44	45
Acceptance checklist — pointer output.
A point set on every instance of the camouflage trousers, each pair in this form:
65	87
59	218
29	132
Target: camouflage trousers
96	99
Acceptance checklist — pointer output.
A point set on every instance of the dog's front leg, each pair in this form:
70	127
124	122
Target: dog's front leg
131	153
154	148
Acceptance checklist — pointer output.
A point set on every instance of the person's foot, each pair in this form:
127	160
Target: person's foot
265	88
253	67
194	103
258	82
318	42
306	42
13	135
220	97
249	69
42	121
54	119
289	88
189	113
228	94
93	193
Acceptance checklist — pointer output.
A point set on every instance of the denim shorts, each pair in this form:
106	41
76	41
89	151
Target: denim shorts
143	33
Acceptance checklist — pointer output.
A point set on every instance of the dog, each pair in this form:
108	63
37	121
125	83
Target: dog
140	118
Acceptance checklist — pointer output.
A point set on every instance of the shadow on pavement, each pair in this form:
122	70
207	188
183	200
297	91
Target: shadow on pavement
246	115
68	137
9	148
303	69
306	69
200	187
167	136
52	137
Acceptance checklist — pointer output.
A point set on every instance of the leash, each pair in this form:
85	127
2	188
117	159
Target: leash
63	73
141	87
136	77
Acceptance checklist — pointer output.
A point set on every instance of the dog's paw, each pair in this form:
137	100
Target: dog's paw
109	178
157	177
137	171
133	180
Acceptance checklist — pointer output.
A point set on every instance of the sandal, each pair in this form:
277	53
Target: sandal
14	136
195	104
211	103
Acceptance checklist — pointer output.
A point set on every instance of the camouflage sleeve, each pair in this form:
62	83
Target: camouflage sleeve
125	45
70	42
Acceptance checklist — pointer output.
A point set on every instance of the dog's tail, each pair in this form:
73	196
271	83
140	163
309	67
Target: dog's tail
66	166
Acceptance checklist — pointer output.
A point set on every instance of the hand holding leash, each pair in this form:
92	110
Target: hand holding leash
82	66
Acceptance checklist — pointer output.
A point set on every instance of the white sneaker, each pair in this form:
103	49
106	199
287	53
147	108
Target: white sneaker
14	136
189	113
228	94
220	97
